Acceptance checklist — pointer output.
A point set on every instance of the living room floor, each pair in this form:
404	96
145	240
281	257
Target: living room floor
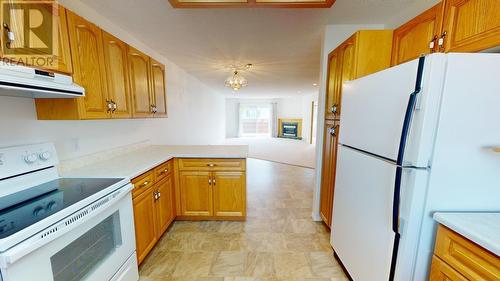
287	151
278	242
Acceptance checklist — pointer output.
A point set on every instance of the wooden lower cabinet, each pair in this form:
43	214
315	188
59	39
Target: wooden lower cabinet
165	213
196	193
229	194
212	188
458	259
154	208
328	171
145	236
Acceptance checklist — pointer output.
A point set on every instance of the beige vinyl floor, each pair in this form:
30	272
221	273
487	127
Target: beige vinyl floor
278	242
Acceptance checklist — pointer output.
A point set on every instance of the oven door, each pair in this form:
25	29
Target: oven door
96	250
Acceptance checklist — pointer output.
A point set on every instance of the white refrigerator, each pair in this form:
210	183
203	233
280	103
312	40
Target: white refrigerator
414	139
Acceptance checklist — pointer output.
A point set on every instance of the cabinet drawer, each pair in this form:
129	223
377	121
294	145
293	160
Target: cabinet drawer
469	259
212	164
142	182
163	170
440	271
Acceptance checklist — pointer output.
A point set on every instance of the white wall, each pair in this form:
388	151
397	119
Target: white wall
333	36
196	113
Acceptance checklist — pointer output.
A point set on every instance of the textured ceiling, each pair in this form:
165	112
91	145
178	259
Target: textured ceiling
283	44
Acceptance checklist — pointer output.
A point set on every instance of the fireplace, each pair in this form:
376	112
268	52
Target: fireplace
290	128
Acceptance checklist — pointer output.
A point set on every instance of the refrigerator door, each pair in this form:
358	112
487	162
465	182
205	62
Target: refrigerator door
362	230
374	109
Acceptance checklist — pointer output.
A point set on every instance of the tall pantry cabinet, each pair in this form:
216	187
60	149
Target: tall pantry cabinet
365	52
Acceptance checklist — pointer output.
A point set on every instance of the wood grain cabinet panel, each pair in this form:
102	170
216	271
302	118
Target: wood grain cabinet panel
418	36
164	205
466	257
333	85
229	194
116	62
140	83
88	65
159	90
61	61
328	173
145	225
441	271
196	193
212	164
471	25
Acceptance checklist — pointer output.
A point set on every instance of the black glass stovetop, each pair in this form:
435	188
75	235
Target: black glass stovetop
22	209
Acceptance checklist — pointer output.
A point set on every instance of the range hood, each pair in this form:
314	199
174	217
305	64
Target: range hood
22	81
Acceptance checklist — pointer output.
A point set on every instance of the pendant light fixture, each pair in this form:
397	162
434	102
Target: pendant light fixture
237	81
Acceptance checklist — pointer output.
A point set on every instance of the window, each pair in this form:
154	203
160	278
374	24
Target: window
255	120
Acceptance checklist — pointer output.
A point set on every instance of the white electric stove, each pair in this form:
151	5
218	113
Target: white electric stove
62	229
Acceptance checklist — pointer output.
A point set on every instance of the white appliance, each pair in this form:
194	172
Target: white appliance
415	139
61	229
22	81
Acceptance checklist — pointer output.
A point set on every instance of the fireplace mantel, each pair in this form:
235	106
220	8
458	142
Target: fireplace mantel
291	133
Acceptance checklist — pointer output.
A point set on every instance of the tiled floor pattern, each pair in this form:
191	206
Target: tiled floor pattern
278	242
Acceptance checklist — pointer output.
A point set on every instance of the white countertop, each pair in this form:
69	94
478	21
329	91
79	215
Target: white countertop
481	228
132	164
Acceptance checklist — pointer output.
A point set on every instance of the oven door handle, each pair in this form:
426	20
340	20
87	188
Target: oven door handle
62	227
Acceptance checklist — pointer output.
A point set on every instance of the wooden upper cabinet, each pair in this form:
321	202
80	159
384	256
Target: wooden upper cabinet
365	52
417	37
140	83
145	225
471	25
116	62
89	66
196	193
332	85
159	90
229	194
55	55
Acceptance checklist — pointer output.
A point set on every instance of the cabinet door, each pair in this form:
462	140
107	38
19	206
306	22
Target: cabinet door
88	66
196	193
140	83
414	38
145	234
116	62
347	70
164	205
471	25
158	88
328	171
47	47
332	85
440	271
229	194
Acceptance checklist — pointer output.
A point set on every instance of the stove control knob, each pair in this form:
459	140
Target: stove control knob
30	158
51	206
37	211
45	155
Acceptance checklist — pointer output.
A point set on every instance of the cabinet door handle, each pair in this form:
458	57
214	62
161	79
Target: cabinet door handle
432	43
159	194
334	109
113	106
213	180
110	106
155	195
441	40
209	181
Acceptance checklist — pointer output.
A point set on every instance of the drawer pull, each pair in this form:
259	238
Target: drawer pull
164	172
144	184
211	165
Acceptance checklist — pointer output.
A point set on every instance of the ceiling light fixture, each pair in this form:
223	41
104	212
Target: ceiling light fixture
236	81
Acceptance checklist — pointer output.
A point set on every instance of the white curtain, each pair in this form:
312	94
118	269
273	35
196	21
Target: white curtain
274	119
